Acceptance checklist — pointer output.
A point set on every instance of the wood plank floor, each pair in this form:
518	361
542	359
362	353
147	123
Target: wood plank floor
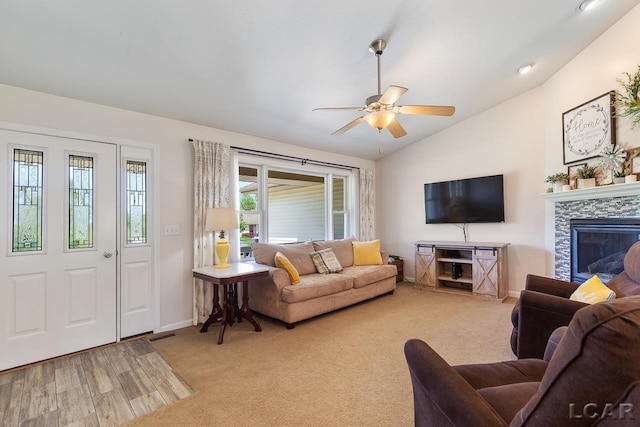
103	387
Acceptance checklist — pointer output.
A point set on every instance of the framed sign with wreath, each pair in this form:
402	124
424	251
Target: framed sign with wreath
588	128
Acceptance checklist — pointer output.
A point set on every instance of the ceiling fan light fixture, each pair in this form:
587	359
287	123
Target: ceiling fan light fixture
379	119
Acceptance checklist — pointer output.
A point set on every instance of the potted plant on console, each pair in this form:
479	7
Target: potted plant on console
586	176
557	180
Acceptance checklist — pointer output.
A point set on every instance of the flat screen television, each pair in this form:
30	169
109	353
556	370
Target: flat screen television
461	201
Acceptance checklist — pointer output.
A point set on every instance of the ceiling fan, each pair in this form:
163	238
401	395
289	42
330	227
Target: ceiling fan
382	109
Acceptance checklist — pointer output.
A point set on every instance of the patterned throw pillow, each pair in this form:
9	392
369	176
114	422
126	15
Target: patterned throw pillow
326	261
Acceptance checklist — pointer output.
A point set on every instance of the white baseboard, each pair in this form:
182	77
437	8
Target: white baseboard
173	326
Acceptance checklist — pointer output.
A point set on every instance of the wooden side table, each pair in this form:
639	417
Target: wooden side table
399	263
229	279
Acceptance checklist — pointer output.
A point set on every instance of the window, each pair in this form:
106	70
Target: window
296	207
136	173
280	204
339	211
27	200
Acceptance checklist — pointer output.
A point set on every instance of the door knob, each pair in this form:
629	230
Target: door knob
107	254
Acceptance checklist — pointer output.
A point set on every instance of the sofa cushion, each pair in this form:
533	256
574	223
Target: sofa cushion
326	261
316	285
367	253
518	393
342	248
298	253
283	262
364	275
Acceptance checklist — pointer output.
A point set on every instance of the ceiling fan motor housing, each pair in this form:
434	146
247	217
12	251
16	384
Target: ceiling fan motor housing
372	102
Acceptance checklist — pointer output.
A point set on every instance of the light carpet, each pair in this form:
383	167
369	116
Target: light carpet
342	368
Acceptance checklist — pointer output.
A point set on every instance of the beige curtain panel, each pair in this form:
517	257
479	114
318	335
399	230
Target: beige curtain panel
211	188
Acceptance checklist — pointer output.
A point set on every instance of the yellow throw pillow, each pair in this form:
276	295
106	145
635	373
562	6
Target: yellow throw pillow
367	253
283	262
592	291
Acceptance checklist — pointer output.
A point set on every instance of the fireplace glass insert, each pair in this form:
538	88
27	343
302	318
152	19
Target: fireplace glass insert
598	246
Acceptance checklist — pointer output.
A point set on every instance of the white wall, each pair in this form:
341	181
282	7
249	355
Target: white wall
521	138
175	169
591	73
507	139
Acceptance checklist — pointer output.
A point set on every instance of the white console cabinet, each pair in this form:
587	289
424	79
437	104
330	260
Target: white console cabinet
473	268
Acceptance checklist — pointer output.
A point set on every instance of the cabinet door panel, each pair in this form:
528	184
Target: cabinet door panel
425	266
486	272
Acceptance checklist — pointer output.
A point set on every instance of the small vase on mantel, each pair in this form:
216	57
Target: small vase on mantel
586	182
631	178
557	186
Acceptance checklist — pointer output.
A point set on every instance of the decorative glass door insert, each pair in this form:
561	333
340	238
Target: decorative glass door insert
136	202
80	202
27	200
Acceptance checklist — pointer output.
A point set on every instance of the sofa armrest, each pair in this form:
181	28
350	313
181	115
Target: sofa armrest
441	395
550	286
385	257
540	314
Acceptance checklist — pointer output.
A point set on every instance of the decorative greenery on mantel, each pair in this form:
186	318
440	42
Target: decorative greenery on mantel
629	101
586	172
557	177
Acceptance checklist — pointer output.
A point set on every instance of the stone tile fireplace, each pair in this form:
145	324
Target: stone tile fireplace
613	208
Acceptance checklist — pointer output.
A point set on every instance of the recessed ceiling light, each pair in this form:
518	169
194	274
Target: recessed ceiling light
588	4
525	68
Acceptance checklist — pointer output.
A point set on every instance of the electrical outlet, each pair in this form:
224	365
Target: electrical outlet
171	230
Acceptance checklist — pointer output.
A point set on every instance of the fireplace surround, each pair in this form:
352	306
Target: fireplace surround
618	201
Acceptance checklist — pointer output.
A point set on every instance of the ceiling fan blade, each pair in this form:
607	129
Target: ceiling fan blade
339	109
391	95
429	110
396	128
348	126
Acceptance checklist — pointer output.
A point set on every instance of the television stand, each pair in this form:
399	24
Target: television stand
470	268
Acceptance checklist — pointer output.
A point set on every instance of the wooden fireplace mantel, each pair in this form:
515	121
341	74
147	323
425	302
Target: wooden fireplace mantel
601	192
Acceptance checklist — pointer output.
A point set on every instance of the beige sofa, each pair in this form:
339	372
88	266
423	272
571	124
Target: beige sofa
276	297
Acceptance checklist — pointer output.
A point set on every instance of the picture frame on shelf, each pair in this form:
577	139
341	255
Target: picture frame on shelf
635	165
588	128
571	171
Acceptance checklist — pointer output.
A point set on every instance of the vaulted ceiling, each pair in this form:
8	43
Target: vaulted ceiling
260	67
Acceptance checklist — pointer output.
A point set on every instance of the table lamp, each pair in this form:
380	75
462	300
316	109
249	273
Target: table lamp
220	219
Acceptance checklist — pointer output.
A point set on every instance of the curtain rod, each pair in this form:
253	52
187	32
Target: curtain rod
290	158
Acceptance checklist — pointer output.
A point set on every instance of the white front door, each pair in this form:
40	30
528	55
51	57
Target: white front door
58	264
136	255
